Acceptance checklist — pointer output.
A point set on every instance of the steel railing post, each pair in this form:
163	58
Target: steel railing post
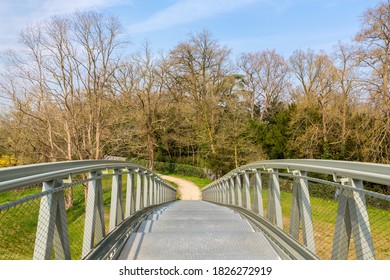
274	209
52	228
116	207
227	191
247	201
258	195
94	229
232	194
129	195
145	190
138	192
155	188
151	184
352	218
301	211
158	192
238	190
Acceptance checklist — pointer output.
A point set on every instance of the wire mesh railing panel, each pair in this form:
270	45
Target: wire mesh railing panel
106	191
337	214
324	212
66	219
75	198
17	230
379	219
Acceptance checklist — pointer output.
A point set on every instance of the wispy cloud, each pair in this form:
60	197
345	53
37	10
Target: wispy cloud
15	15
50	7
186	11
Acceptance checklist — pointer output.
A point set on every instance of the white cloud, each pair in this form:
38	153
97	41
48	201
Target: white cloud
186	11
52	7
15	14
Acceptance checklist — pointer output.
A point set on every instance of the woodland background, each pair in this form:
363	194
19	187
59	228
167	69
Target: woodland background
76	91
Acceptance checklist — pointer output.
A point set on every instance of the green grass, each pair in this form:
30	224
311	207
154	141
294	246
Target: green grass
324	213
18	224
15	195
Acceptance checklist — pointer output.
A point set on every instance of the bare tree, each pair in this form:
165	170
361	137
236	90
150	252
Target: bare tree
313	93
348	87
61	81
266	80
374	54
199	68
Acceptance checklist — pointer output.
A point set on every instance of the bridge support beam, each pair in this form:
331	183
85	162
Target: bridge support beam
227	191
155	188
138	192
247	197
352	218
238	190
258	195
301	211
94	229
145	190
274	209
129	195
116	208
158	193
52	227
223	192
232	194
151	186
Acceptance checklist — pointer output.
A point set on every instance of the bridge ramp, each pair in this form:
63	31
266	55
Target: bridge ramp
196	230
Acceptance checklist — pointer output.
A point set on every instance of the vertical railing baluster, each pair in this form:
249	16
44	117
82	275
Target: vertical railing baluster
301	211
52	228
274	208
155	187
227	191
145	190
221	193
158	193
238	190
94	229
352	218
151	184
138	191
116	207
258	195
247	202
129	194
232	194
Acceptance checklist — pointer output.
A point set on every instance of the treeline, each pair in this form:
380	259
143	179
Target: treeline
74	92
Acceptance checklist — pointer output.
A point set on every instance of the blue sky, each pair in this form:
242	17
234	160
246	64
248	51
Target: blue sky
242	25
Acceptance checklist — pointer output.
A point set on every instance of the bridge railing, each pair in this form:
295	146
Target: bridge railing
330	207
64	210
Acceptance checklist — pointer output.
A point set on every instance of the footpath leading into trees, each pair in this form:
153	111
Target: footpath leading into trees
187	190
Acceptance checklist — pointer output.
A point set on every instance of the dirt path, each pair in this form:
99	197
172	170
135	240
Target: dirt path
187	190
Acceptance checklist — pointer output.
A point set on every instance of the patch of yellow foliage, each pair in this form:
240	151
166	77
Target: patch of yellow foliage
6	161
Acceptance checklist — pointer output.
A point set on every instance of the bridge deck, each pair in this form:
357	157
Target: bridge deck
196	230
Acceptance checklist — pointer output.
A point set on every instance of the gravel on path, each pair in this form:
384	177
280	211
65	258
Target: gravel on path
187	190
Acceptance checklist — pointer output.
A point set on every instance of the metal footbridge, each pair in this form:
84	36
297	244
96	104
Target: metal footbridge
197	230
277	209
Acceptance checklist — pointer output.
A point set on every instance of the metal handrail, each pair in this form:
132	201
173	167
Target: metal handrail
144	190
356	217
370	172
12	178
